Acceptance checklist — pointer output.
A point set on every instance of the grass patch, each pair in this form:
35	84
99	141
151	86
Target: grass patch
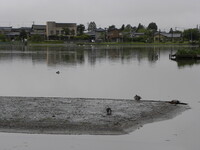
186	52
133	43
48	42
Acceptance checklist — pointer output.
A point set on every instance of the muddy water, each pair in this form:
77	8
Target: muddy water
104	72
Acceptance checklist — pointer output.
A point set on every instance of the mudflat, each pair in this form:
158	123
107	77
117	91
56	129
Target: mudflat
55	115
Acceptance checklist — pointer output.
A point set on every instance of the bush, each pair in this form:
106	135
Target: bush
139	39
185	52
37	38
82	37
2	38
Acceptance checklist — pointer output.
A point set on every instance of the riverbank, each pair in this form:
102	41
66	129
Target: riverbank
74	43
51	115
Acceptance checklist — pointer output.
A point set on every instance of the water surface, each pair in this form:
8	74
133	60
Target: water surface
104	72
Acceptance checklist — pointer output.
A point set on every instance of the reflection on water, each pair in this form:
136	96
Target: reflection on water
78	55
187	62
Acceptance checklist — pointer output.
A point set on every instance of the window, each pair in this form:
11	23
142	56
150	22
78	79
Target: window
51	32
57	32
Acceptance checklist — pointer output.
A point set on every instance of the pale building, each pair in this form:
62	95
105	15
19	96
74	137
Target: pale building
57	29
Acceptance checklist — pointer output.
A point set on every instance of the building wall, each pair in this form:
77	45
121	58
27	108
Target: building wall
114	35
50	28
53	28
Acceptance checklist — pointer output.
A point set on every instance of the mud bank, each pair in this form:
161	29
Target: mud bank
49	115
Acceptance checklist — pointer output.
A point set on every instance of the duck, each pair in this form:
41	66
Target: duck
137	97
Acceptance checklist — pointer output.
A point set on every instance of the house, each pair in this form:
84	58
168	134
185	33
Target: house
166	37
26	29
13	35
8	32
39	30
100	35
114	35
57	29
5	30
91	34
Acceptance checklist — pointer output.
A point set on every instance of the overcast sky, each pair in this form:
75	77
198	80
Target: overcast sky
165	13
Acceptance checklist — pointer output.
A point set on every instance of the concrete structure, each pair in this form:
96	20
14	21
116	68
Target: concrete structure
39	30
57	29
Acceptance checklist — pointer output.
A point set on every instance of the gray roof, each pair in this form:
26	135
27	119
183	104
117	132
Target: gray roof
91	33
100	30
63	25
6	28
39	27
38	33
170	35
136	33
13	34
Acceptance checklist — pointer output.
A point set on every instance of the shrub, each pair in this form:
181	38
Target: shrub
185	52
2	38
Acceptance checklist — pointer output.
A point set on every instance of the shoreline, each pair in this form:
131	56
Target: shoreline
51	43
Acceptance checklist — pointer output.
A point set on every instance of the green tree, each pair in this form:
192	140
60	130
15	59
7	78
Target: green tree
171	30
122	28
128	28
23	34
141	28
80	29
66	31
72	32
36	38
112	27
92	26
127	33
152	26
2	38
191	34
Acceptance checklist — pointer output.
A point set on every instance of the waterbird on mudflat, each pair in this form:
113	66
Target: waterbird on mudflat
58	72
109	111
175	102
137	97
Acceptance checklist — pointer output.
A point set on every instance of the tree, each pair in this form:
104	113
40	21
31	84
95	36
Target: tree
92	26
36	38
2	38
80	29
191	34
152	26
140	28
112	27
72	32
122	28
128	28
66	31
127	33
23	34
171	31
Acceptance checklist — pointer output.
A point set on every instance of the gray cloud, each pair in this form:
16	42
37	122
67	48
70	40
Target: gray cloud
166	13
